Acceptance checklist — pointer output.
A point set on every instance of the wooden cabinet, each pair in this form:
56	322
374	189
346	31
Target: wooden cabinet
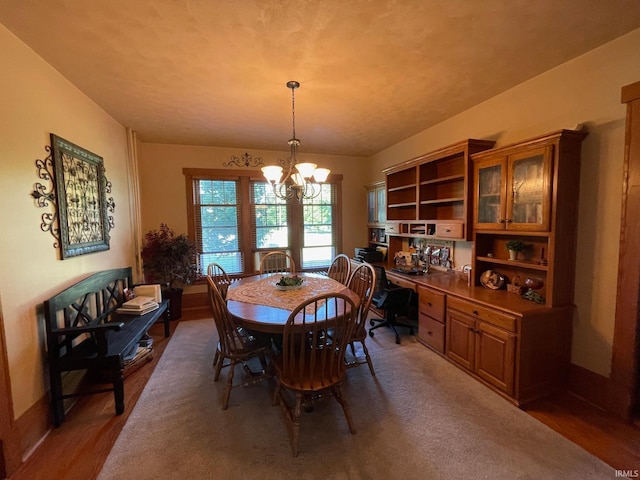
479	346
518	348
429	196
376	203
431	310
377	213
529	192
513	191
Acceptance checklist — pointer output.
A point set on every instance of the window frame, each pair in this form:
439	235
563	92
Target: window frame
294	209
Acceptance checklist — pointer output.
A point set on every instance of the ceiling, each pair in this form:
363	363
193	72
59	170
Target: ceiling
372	73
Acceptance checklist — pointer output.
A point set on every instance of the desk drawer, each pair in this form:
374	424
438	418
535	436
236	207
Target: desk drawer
431	303
449	230
431	332
401	282
482	313
392	228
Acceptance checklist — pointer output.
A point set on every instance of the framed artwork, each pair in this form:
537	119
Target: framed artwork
82	203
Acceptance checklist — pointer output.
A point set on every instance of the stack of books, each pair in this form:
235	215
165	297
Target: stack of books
138	306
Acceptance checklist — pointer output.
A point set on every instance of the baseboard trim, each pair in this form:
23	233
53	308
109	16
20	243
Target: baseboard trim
601	391
33	426
195	306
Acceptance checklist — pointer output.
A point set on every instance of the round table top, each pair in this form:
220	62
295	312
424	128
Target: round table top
252	300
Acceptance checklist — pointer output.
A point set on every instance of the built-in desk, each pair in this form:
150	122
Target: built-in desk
516	347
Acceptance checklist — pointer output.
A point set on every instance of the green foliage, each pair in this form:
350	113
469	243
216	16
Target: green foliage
290	281
169	259
516	245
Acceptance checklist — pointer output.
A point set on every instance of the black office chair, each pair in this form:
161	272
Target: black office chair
396	302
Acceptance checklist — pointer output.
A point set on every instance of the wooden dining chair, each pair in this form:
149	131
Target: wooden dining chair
237	345
222	281
219	277
277	262
312	363
362	282
340	268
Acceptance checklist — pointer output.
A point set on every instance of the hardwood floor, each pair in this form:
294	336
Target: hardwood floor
78	448
615	442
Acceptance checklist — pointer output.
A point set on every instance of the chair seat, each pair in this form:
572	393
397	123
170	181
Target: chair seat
236	344
305	382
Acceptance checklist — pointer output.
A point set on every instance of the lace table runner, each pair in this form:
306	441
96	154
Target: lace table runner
264	292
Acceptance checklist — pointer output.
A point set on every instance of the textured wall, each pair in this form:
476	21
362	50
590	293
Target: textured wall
584	90
37	101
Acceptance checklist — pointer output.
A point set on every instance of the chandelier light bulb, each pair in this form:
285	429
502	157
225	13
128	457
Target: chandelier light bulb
321	174
273	173
306	169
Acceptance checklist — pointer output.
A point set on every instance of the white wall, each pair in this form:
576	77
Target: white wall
584	90
37	101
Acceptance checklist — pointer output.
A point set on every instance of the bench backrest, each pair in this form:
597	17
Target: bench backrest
89	302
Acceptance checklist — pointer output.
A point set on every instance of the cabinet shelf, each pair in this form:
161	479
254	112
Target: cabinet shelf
402	205
531	265
402	187
442	200
382	244
450	178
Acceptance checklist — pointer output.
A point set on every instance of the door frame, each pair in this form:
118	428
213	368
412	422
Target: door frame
10	457
626	348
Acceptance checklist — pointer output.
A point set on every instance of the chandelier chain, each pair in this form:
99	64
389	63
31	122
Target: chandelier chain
306	183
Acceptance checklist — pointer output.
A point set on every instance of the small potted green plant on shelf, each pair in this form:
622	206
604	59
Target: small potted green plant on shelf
514	246
169	260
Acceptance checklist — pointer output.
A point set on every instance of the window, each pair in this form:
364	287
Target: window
217	213
269	217
234	218
318	242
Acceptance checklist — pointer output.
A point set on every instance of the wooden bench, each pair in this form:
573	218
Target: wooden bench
84	331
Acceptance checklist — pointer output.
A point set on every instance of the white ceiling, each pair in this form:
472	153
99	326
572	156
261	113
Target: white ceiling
372	73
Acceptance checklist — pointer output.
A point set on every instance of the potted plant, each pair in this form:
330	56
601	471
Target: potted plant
170	260
514	246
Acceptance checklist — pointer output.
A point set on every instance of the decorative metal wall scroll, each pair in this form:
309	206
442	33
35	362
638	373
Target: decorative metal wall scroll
43	198
79	190
245	161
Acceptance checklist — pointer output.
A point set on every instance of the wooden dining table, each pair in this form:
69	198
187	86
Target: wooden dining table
257	304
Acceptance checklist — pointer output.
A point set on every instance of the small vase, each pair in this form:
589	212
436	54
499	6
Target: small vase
533	283
513	254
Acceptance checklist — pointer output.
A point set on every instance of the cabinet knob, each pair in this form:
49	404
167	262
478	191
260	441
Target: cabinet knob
429	303
475	312
502	220
508	220
428	333
472	329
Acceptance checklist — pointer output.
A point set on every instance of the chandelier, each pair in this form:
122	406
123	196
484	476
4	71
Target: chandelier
296	184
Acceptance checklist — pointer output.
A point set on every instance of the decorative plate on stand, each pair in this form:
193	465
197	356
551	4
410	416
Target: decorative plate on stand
492	280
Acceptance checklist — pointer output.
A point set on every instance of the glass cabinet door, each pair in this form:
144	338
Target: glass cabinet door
489	194
371	206
528	190
381	204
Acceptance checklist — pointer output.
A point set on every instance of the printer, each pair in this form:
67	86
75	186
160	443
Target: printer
368	254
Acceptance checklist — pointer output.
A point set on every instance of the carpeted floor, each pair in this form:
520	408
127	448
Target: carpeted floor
419	418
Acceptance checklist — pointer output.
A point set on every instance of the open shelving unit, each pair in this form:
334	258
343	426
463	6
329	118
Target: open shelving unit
429	195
